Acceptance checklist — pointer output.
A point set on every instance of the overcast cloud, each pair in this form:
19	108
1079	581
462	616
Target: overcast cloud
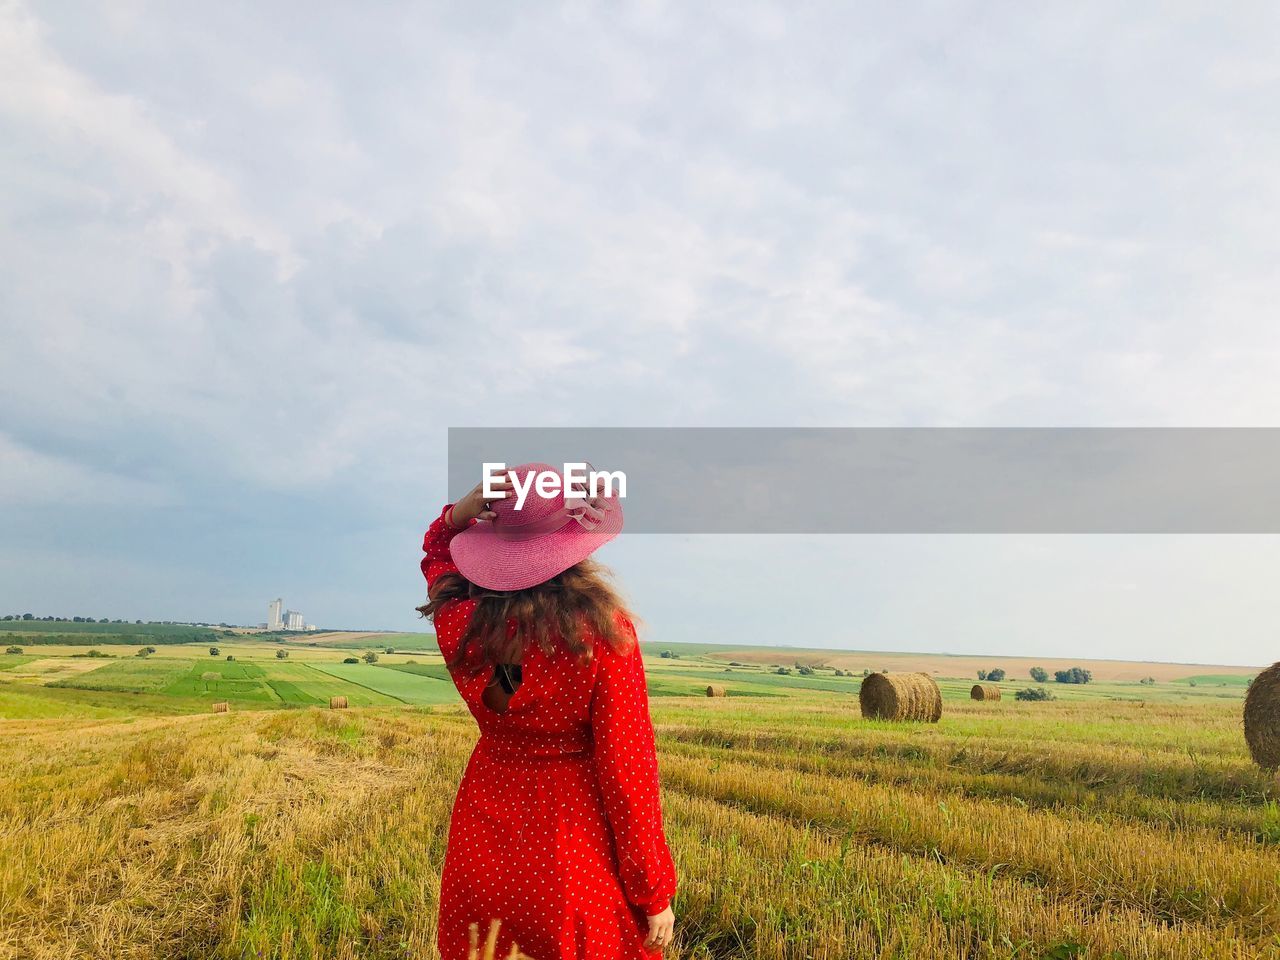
255	258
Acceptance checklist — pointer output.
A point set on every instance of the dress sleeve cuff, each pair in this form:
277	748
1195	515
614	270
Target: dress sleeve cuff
655	908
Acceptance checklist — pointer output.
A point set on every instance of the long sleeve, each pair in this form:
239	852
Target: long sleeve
626	766
436	559
452	619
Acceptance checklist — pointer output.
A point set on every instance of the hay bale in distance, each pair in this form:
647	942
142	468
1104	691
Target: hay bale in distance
222	707
713	690
901	696
984	691
337	703
1262	718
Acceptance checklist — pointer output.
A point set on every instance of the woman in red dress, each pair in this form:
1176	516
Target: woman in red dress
556	828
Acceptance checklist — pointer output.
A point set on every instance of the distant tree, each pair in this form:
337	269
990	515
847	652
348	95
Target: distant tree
214	651
866	671
144	652
666	654
390	650
77	619
282	654
1191	683
805	670
137	621
996	675
982	674
783	671
735	663
13	650
1074	675
839	672
1034	693
1039	674
231	656
350	660
370	657
1148	681
149	649
27	616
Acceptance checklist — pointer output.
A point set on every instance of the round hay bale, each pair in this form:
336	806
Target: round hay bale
901	696
222	707
716	691
1262	718
984	691
337	703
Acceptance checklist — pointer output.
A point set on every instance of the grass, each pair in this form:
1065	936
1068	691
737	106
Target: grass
799	831
22	702
53	669
437	671
135	675
1121	821
399	684
304	684
1215	680
241	681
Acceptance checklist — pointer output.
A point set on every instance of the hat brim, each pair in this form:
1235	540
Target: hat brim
491	562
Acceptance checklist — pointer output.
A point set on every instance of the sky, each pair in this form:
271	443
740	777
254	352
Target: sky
255	259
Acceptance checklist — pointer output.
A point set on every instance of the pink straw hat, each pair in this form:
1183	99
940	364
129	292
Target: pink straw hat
547	536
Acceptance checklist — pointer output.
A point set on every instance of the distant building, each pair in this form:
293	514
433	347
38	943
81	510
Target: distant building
293	620
311	628
274	622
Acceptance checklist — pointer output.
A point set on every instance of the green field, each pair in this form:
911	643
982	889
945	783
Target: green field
1122	821
134	675
403	686
1215	680
304	684
437	671
235	681
247	671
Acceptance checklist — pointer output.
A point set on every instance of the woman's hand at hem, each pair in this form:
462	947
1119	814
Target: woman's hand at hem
475	506
662	929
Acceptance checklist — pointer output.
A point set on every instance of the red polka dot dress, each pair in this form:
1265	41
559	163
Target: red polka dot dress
556	827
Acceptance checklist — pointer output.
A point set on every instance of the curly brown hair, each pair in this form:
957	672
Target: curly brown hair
579	606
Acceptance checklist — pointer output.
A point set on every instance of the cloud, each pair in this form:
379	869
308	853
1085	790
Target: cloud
250	256
30	478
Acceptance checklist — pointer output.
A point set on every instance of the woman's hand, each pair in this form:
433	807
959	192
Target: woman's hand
475	506
662	929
